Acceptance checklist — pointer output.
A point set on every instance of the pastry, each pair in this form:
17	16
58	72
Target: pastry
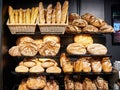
38	42
97	49
73	16
53	38
53	69
97	22
88	17
84	39
96	66
64	12
41	13
36	82
28	49
58	13
24	39
49	48
36	69
106	28
90	28
22	69
79	23
28	14
78	66
76	48
78	86
106	65
14	51
49	14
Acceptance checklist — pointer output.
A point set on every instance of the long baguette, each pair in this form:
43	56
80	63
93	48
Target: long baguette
49	14
58	12
41	13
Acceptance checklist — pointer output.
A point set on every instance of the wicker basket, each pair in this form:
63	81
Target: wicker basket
53	28
21	28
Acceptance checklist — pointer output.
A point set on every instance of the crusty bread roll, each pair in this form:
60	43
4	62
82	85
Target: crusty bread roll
21	69
28	16
88	17
73	16
97	22
53	69
84	39
97	49
54	38
96	66
106	65
14	51
49	14
76	48
68	67
79	22
106	28
48	63
36	69
28	62
28	49
86	64
20	15
78	66
41	13
78	86
64	12
24	39
49	48
58	13
90	28
36	82
23	85
72	29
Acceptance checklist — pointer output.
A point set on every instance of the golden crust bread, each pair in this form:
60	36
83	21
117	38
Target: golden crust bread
53	69
22	69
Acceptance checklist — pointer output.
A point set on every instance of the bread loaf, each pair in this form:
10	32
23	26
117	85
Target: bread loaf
20	15
53	69
53	16
28	16
58	12
41	13
64	12
49	14
14	51
16	16
11	14
21	69
36	69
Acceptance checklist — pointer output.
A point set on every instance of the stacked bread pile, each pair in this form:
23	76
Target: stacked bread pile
83	44
23	16
87	23
86	84
85	64
52	15
26	46
38	82
38	65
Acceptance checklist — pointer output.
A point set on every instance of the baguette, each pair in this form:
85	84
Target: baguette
28	16
11	14
49	14
24	17
20	15
58	12
32	14
16	16
53	16
41	13
64	11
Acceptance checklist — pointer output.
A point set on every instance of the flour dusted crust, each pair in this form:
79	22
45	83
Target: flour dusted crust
28	49
38	42
96	66
21	69
84	39
14	51
76	48
49	14
97	49
90	28
36	82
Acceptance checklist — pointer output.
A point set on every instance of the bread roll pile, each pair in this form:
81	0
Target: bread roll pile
52	15
83	44
86	84
87	23
38	65
20	16
26	46
85	64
